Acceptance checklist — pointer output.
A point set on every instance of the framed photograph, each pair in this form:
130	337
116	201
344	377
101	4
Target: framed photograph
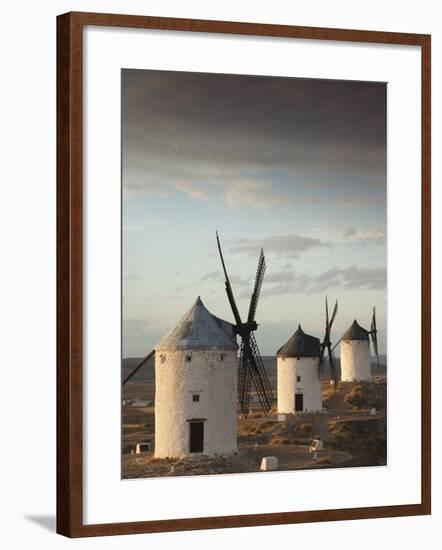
243	276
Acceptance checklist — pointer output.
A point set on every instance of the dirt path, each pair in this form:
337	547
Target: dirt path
290	457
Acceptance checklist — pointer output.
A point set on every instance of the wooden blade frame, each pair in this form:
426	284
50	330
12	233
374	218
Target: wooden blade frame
326	344
244	381
229	290
374	335
257	288
259	375
138	367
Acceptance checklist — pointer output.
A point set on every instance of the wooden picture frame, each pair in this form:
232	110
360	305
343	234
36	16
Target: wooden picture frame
70	272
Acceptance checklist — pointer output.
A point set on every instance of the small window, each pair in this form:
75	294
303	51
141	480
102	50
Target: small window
188	358
162	358
221	357
298	379
196	397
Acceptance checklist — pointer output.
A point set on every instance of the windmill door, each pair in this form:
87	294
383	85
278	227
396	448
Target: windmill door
299	402
196	437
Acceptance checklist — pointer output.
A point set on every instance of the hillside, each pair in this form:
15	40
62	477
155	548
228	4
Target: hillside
147	373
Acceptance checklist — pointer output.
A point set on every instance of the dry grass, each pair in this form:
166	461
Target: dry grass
323	461
367	395
268	425
246	429
280	441
365	439
305	427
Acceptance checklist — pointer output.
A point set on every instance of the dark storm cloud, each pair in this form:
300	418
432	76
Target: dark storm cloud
196	127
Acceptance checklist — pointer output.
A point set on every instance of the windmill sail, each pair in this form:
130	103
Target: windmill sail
257	288
251	366
326	344
374	335
138	367
259	375
244	380
229	290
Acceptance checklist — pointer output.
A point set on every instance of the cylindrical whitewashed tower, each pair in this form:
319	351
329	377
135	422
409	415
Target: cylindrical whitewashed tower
355	354
299	387
196	379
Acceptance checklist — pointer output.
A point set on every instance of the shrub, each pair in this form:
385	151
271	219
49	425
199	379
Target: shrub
280	441
305	427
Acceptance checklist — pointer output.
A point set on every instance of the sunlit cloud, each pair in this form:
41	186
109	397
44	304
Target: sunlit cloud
251	193
283	245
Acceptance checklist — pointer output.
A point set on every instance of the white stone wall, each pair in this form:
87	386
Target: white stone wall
309	385
176	379
355	360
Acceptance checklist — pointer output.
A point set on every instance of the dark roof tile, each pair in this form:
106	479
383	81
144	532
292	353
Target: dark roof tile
355	332
300	345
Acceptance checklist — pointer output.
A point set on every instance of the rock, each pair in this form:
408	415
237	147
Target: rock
269	463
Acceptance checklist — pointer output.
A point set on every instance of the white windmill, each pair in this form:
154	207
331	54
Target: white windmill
299	365
299	387
355	351
199	378
196	377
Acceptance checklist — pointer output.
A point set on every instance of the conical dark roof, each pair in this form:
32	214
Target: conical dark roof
199	329
355	332
300	345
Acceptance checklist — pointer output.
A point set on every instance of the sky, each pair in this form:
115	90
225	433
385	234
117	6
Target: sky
295	166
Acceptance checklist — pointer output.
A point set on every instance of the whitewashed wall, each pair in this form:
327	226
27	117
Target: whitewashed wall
288	370
355	360
176	381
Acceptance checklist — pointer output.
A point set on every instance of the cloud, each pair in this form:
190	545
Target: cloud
371	278
180	289
183	132
136	325
173	294
350	232
190	190
349	278
219	276
374	235
211	276
280	277
283	245
239	118
251	193
140	336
